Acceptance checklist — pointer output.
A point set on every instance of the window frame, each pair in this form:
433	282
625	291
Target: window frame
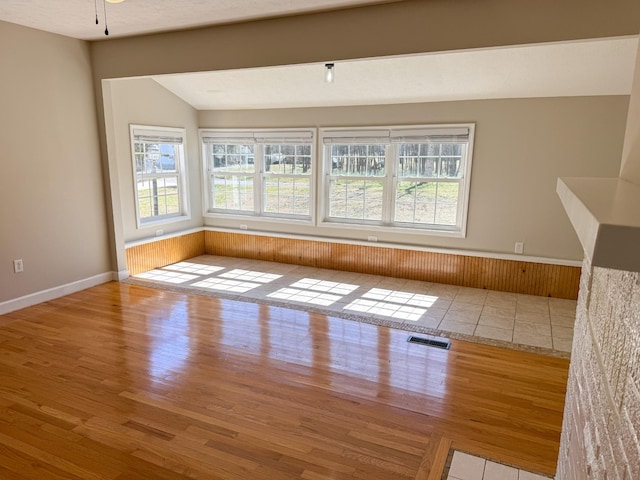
260	138
160	132
388	136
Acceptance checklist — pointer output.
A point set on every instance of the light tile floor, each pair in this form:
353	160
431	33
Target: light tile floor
470	467
521	319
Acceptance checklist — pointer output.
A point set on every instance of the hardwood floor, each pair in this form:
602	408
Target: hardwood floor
126	382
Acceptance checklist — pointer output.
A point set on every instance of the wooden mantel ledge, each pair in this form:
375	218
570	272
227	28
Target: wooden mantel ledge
605	213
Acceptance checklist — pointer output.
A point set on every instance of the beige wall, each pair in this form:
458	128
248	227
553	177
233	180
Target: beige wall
409	26
52	208
145	102
521	148
631	153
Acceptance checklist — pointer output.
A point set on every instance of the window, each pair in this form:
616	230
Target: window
259	173
398	177
159	170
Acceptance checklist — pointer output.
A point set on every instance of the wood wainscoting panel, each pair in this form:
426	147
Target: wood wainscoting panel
429	266
159	253
559	281
547	280
307	253
234	245
362	259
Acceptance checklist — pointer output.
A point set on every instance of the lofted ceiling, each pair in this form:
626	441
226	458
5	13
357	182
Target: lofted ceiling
583	68
76	18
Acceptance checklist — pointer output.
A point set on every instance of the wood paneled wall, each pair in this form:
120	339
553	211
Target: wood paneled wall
547	280
160	253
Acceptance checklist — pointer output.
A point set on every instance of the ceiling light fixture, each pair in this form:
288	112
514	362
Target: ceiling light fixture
328	73
106	26
104	5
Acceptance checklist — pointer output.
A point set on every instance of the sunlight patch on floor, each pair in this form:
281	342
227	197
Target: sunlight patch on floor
305	296
226	285
405	298
196	268
393	310
250	276
325	286
167	276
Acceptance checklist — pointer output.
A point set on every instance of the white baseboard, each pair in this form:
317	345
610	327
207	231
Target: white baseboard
57	292
121	275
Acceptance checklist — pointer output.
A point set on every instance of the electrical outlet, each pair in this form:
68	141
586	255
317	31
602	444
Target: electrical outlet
371	238
519	247
159	232
243	227
18	266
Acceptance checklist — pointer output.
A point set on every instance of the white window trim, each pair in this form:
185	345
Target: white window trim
183	177
389	133
259	135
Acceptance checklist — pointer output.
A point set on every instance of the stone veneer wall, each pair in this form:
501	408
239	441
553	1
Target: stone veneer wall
601	427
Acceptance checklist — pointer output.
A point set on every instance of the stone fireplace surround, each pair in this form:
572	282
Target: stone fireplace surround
600	432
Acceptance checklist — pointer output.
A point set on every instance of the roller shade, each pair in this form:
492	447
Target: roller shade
253	137
355	136
420	135
167	135
435	135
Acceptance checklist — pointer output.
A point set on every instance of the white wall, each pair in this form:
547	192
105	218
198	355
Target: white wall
521	147
144	102
52	208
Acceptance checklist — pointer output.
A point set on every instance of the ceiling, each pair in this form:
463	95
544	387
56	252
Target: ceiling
76	18
590	67
584	68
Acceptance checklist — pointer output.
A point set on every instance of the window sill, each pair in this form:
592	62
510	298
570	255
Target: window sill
250	217
162	221
395	229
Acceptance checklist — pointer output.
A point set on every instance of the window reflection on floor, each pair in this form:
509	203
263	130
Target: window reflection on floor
170	347
235	334
167	276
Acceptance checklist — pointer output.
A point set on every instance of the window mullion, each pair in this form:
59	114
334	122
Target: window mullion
325	202
390	184
208	167
258	179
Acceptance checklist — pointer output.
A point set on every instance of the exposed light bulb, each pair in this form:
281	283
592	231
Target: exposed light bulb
328	74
